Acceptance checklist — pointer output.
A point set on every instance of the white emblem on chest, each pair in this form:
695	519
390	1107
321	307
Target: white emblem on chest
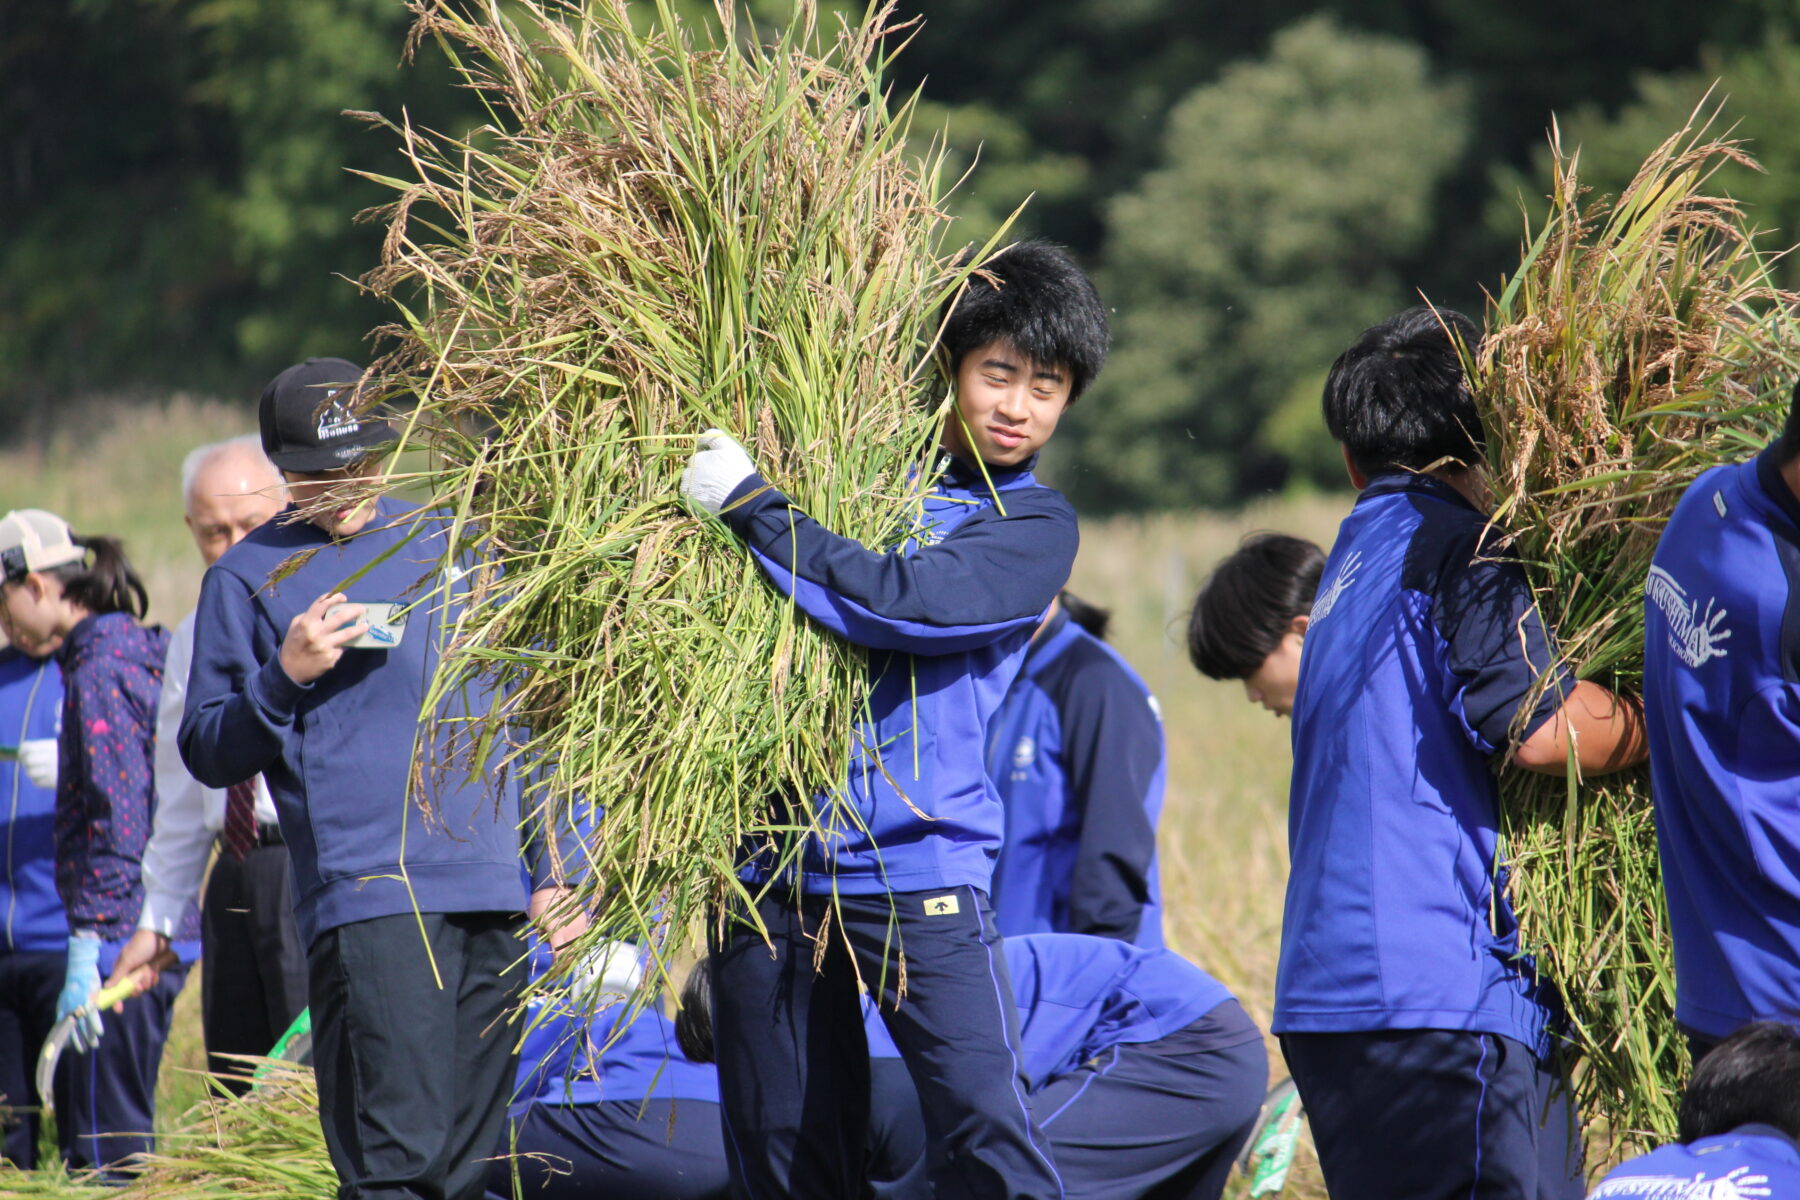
1695	636
1340	582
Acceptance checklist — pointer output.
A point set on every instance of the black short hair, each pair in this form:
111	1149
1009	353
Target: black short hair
1090	617
1246	606
1397	398
1031	296
693	1019
1750	1078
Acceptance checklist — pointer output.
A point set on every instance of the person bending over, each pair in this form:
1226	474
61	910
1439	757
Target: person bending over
1076	754
1740	1127
1250	617
82	594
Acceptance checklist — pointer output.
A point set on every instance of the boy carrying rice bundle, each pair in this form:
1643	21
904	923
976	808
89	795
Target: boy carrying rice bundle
892	889
1413	1024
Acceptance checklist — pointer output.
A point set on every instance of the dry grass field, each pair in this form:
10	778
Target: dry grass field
115	470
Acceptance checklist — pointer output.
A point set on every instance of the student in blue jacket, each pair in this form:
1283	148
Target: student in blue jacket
946	621
1722	696
34	933
410	918
1740	1127
81	594
1076	755
1411	1018
1249	620
611	1106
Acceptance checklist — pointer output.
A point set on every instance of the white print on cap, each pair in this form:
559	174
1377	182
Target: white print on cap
1738	1185
1693	635
1339	583
337	420
946	905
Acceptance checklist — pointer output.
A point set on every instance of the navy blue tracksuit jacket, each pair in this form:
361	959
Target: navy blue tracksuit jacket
1722	700
337	753
946	618
1422	648
1076	753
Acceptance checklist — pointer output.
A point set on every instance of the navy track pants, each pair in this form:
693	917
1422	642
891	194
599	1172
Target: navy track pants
1160	1120
620	1149
1435	1115
106	1102
794	1064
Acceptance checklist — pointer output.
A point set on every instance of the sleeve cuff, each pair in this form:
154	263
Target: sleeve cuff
275	693
161	913
747	499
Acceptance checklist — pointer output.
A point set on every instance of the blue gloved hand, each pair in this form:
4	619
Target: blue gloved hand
80	983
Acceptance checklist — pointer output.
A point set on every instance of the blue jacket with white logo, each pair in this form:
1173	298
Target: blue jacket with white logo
31	697
338	754
1423	647
1752	1161
1722	702
1078	996
1076	753
946	619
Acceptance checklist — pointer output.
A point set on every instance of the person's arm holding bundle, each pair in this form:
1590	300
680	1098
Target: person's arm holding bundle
994	573
1499	651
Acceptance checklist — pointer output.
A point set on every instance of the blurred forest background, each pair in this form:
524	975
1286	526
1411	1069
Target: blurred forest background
1252	184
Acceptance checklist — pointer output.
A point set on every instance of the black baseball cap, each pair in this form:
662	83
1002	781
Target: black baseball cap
309	422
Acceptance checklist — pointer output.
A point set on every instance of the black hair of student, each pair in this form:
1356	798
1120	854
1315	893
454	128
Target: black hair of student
1090	617
1247	604
106	584
1397	398
693	1021
1750	1078
1032	297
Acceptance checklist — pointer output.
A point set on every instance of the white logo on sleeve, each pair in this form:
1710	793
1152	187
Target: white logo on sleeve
1024	754
1695	636
336	419
1339	584
1738	1185
946	905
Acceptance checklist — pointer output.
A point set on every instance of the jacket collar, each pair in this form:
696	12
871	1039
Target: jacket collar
95	627
1417	482
968	476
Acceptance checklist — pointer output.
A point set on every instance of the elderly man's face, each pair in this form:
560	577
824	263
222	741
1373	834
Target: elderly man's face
233	493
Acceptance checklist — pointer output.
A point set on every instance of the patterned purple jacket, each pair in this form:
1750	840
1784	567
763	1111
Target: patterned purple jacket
106	792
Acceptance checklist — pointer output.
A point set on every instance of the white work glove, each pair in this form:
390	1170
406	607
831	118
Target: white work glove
716	470
37	758
612	966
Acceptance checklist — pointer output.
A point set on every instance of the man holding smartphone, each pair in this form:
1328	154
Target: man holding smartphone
407	876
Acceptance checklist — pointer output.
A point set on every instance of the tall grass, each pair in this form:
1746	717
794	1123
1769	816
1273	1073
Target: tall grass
663	229
1640	342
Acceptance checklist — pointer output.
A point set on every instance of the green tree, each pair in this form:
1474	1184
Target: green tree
179	195
1291	194
1758	93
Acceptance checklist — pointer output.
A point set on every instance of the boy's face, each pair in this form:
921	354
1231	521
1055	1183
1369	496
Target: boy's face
350	509
1274	683
1008	405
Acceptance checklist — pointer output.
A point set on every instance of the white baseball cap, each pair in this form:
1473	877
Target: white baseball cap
34	540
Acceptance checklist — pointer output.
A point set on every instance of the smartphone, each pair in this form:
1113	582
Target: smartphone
386	621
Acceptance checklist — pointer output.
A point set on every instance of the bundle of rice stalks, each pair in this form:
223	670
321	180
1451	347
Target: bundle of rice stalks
266	1145
1639	343
662	230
